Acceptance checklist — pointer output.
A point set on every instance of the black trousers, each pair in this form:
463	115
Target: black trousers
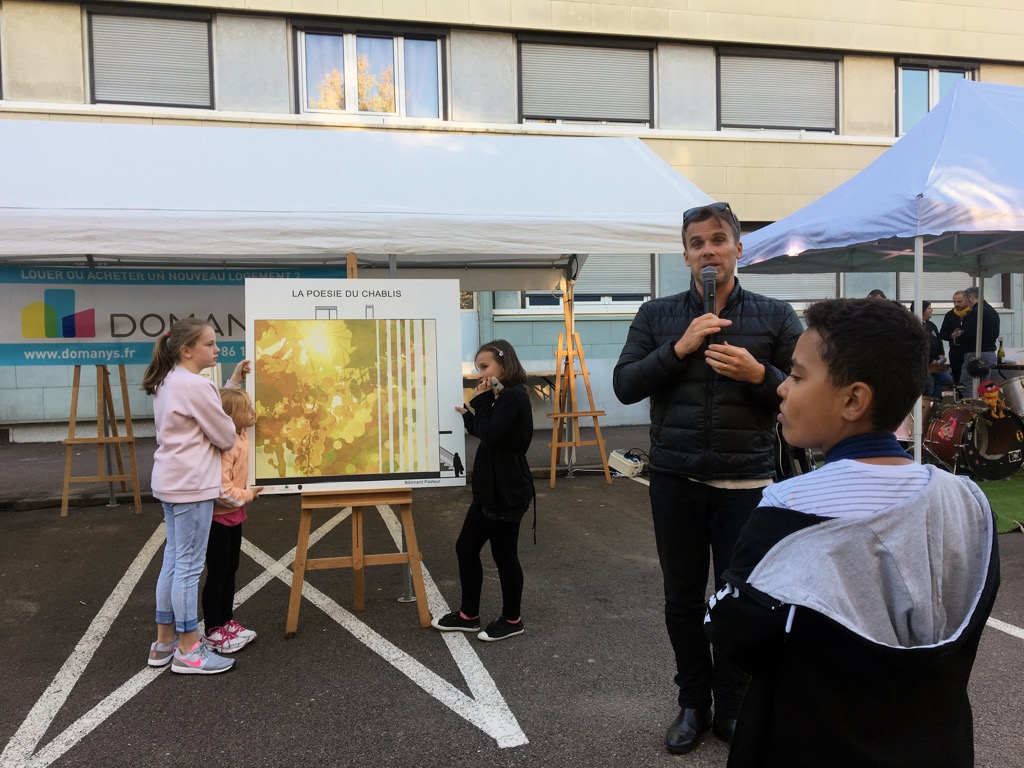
695	523
504	538
222	555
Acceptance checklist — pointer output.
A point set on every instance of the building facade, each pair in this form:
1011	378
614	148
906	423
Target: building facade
765	105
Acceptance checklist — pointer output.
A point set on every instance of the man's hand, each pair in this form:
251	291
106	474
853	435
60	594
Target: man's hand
734	363
697	331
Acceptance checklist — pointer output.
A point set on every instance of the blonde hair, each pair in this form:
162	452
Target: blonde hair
235	401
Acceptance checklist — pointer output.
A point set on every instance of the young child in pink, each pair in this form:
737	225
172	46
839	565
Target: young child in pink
223	633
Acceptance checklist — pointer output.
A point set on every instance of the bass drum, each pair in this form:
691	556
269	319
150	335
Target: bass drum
790	461
964	437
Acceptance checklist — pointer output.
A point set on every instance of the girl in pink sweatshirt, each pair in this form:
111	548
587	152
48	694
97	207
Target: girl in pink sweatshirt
223	633
191	431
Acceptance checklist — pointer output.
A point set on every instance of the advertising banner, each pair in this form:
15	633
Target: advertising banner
53	315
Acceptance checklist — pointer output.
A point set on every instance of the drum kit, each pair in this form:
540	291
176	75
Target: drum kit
980	437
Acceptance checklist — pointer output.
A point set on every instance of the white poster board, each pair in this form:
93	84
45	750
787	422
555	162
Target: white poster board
355	384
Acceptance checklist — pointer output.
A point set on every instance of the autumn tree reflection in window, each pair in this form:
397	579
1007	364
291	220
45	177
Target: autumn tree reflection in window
361	73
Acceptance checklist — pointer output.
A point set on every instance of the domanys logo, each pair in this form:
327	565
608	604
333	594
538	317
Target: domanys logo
55	318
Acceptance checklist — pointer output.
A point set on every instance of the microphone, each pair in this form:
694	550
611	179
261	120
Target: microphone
709	276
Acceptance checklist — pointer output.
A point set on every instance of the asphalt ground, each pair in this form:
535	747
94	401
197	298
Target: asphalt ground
588	684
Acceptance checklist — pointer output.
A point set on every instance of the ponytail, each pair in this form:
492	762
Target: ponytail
167	351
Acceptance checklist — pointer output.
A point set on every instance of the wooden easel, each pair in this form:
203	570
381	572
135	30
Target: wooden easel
311	500
400	497
567	417
104	415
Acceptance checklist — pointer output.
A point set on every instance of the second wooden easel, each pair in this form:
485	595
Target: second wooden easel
106	421
568	414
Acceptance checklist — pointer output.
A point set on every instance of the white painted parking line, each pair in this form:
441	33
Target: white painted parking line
1002	626
23	744
486	708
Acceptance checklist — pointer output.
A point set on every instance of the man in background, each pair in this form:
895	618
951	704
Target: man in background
968	334
952	323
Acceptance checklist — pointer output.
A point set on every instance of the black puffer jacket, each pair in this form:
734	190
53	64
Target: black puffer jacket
703	425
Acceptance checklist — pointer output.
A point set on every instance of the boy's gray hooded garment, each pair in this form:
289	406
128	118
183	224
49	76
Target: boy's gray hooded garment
860	634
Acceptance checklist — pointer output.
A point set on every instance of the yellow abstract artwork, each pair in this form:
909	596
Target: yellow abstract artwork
345	399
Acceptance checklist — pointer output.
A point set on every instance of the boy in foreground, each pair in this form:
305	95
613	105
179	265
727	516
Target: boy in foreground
857	593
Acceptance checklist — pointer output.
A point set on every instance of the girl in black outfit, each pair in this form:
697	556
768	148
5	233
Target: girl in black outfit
500	416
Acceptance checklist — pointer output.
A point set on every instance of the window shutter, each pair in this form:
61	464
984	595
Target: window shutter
792	287
762	92
575	82
140	60
940	286
605	275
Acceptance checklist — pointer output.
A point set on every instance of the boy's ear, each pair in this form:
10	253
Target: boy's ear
857	405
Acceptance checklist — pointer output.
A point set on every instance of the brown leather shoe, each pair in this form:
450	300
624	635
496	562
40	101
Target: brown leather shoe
684	734
724	729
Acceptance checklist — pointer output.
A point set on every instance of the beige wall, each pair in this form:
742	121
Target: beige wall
868	96
42	52
951	28
999	73
765	180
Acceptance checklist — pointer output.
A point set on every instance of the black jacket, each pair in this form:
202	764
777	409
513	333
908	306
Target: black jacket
935	347
705	426
989	328
501	475
859	635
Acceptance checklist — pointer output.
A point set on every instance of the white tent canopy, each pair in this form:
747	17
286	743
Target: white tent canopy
253	195
956	180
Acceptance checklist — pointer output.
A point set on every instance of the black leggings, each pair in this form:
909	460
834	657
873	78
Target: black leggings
504	538
222	556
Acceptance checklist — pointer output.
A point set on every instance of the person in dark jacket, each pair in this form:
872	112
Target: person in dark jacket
968	336
711	378
951	324
501	417
938	380
858	593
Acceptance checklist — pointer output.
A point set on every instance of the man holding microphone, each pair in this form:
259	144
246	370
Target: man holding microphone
710	360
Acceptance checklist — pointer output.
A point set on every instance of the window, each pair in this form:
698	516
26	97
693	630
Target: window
920	88
370	74
794	288
605	283
149	60
775	92
582	83
939	287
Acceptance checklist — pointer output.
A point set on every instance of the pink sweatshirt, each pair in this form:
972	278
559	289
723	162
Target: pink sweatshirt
191	431
235	493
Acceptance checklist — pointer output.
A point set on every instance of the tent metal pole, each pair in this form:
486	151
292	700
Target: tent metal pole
918	271
392	265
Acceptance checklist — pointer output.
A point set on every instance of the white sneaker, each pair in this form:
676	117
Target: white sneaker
223	640
246	634
200	661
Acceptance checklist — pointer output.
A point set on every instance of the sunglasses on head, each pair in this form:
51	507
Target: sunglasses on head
691	213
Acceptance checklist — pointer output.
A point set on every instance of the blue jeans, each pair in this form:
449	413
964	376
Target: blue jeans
937	382
177	588
694	523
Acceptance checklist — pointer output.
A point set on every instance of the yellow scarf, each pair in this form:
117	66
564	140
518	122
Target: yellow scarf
961	313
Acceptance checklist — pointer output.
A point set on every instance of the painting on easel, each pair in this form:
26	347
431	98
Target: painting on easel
351	385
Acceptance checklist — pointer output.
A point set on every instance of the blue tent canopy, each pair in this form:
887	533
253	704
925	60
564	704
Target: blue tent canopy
956	180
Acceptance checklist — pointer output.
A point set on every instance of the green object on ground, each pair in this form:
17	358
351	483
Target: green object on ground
1007	500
